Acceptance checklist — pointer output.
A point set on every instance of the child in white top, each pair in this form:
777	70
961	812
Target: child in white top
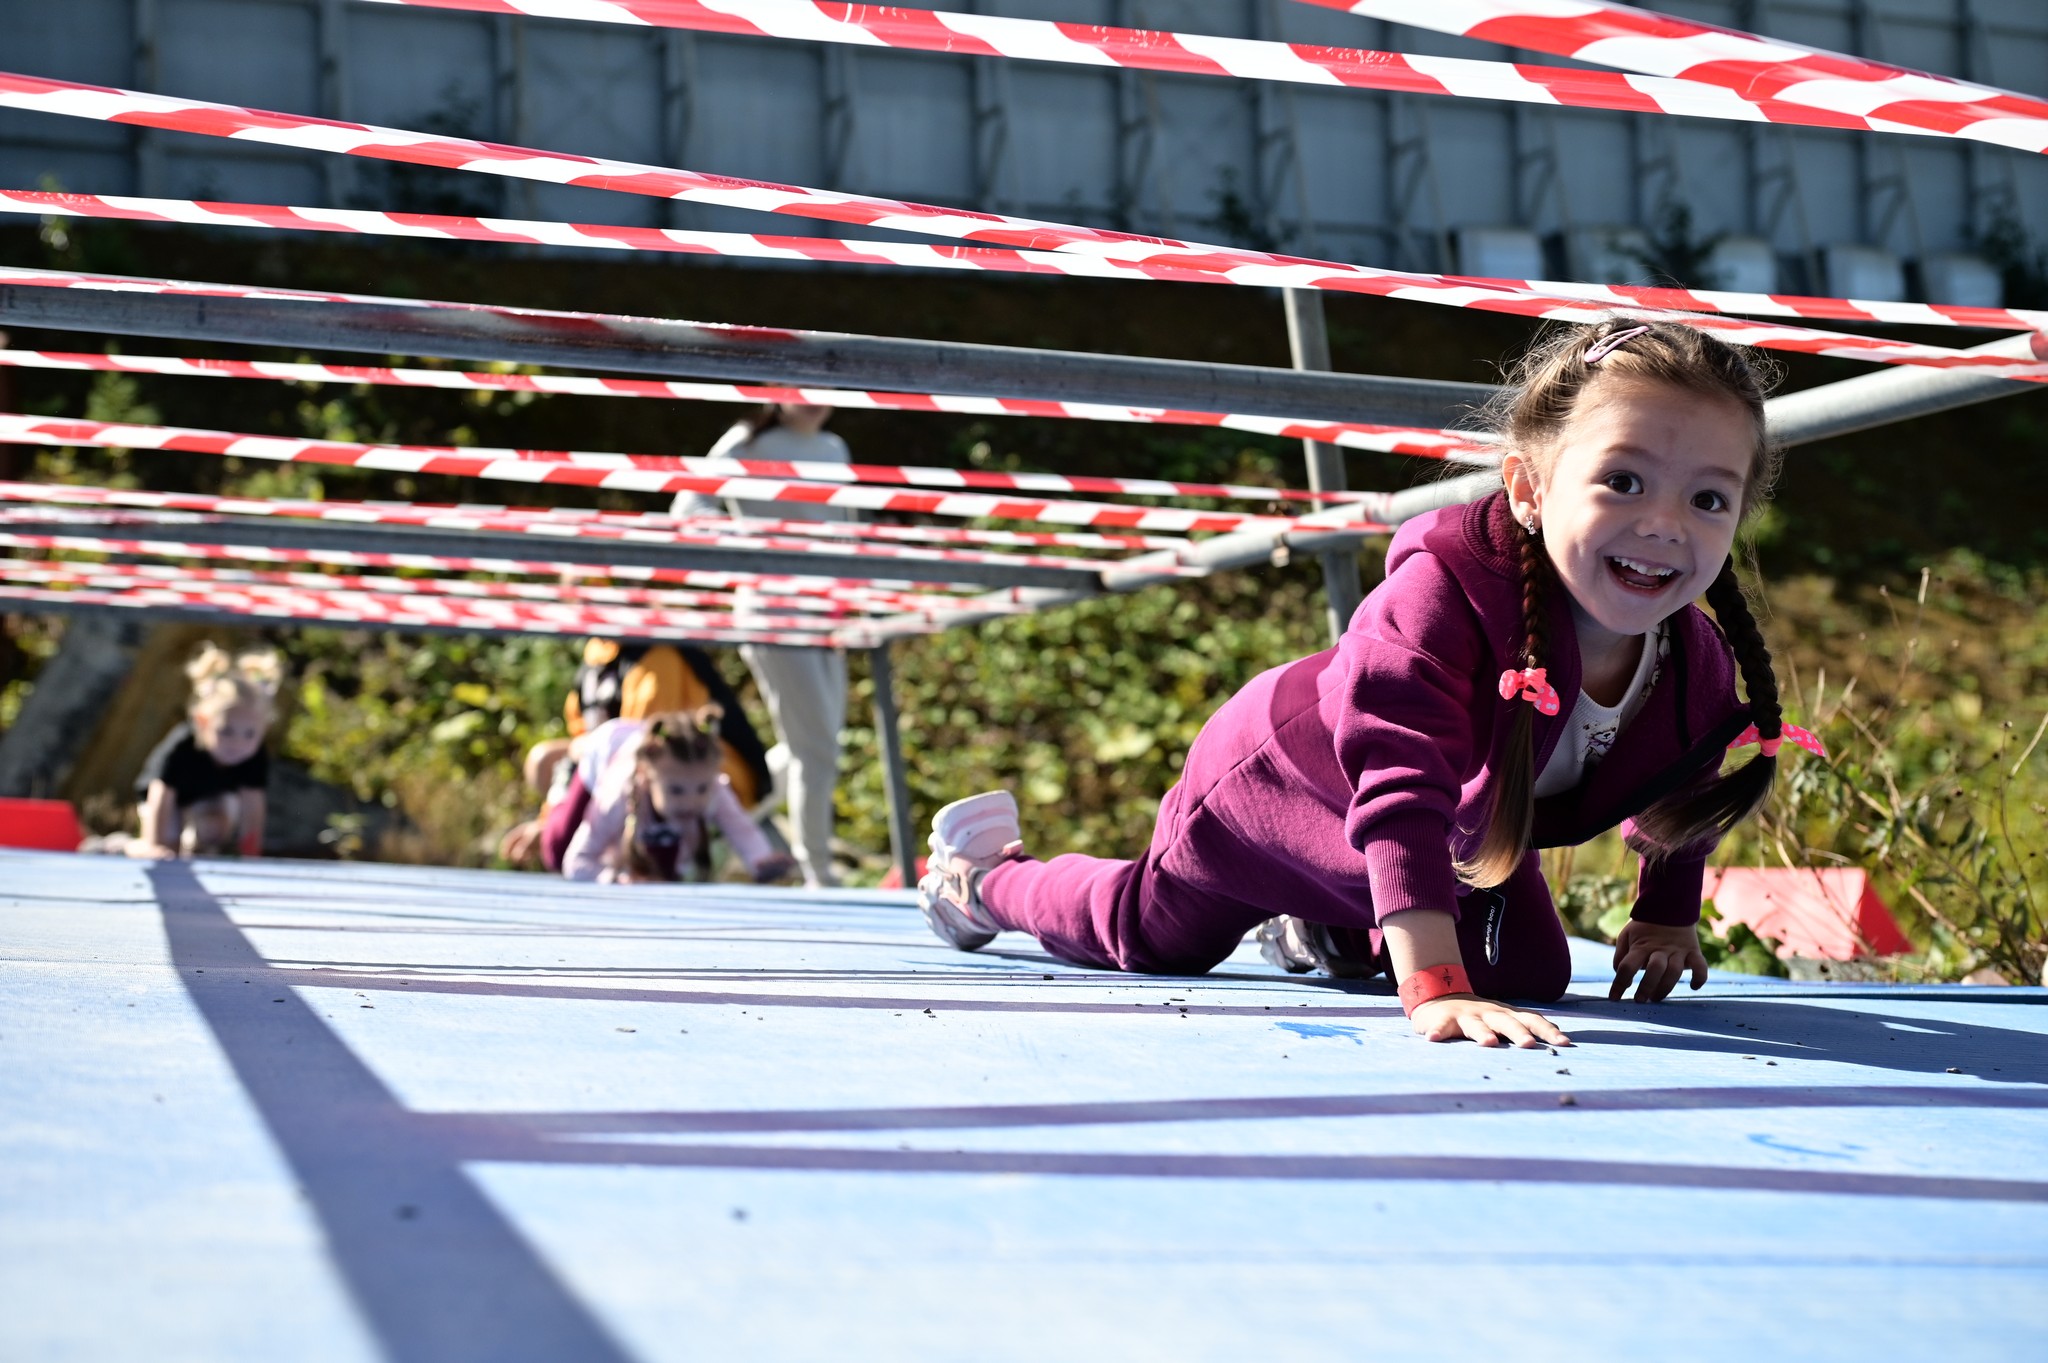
656	790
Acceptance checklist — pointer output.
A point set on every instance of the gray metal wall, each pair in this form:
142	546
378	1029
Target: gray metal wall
1368	177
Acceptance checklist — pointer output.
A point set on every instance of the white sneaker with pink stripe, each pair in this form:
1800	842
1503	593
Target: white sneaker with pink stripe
970	838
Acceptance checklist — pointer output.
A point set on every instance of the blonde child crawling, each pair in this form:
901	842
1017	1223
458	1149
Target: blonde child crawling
1531	673
657	789
203	789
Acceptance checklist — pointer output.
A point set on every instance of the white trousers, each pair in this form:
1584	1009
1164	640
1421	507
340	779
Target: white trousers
806	693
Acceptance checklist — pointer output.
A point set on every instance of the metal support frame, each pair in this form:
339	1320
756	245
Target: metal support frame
1141	158
148	143
1884	193
332	19
678	108
1308	340
1276	127
1894	394
679	349
1538	169
1994	192
989	93
508	96
839	109
1411	173
1773	170
895	776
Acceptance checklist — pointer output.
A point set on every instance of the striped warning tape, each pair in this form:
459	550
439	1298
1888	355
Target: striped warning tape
1391	439
1568	303
982	35
121	509
809	471
1855	92
1434	444
441	584
718	613
472	519
1079	250
625	472
365	609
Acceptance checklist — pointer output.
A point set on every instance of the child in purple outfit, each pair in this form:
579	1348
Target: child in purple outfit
1531	673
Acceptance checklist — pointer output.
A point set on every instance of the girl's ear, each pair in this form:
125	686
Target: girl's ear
1525	489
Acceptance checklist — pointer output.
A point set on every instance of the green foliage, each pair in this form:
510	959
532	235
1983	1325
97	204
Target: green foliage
431	727
1089	712
1937	778
1596	906
1086	713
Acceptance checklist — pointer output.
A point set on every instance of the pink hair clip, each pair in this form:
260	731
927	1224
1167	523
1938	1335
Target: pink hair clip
1607	345
1804	738
1534	685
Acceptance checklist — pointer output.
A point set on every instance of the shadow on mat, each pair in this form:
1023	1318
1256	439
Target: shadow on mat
439	1274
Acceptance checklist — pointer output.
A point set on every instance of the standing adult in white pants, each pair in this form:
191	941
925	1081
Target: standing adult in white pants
805	688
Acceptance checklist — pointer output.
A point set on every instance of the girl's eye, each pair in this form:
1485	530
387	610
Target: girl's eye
1626	483
1710	501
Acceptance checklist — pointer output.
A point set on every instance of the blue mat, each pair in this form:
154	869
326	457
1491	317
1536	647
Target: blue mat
309	1111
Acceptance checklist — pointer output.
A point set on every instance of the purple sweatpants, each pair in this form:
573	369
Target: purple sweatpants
1153	917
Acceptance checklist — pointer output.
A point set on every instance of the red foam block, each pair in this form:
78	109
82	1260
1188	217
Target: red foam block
1830	913
47	825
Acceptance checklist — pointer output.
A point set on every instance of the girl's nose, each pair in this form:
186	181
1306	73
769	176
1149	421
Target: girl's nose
1659	520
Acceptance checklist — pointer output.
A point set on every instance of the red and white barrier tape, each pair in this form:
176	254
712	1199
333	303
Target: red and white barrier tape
718	612
1390	439
626	472
896	593
1854	91
1568	303
360	513
1077	250
362	609
984	35
439	585
1425	443
1080	250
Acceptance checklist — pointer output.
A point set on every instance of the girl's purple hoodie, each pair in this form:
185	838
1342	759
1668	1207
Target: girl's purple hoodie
1354	777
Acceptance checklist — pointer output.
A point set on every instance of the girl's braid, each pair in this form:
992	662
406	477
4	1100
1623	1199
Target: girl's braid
1512	819
1535	566
1702	816
1752	655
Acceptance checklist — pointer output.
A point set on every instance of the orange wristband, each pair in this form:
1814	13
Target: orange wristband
1432	982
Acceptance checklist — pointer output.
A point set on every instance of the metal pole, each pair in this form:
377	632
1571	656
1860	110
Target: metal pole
895	777
1896	393
638	345
1308	340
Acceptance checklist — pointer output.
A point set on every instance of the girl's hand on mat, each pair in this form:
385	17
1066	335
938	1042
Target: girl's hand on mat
1663	954
1467	1017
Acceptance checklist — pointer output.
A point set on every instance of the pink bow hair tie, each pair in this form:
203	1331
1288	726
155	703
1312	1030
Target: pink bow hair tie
1534	685
1805	738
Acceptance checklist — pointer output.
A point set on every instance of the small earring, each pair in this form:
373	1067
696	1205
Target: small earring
1530	525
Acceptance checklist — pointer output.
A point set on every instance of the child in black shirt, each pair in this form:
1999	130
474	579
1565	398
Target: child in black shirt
202	790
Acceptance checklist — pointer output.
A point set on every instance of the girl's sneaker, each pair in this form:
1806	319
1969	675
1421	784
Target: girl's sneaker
970	838
1298	946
